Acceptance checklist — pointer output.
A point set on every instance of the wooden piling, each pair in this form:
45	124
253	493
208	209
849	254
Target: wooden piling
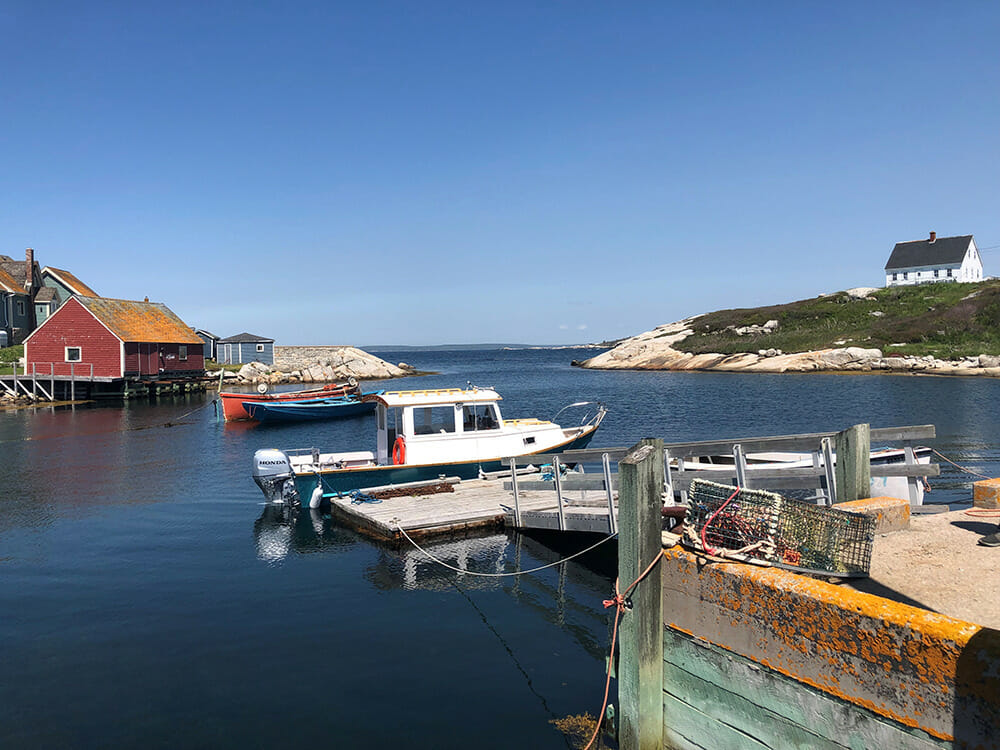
853	467
640	675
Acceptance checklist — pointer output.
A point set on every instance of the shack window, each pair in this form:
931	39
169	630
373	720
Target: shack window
260	347
895	277
182	352
431	420
479	417
20	307
74	354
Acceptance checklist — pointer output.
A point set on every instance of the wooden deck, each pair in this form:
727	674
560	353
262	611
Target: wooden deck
475	504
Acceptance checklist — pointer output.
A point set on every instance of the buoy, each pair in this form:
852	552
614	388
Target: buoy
317	498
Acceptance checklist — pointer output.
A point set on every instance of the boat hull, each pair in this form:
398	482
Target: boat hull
232	403
295	412
340	481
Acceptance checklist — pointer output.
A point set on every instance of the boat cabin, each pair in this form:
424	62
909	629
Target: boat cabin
426	426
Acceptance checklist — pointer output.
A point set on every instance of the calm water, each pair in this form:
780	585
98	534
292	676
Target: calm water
147	599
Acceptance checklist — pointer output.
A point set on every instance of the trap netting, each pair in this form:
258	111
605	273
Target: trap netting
755	525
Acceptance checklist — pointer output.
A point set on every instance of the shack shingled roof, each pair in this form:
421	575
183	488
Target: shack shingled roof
9	284
76	286
246	338
944	250
142	322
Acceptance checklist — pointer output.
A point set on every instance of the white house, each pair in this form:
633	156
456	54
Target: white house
933	259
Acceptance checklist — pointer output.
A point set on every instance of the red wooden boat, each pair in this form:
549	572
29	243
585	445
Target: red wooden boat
232	403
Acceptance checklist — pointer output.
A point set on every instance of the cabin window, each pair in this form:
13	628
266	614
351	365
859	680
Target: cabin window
20	307
895	277
905	275
260	347
74	354
477	417
182	352
432	420
935	273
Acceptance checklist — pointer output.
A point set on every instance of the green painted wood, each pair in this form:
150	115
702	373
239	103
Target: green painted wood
640	682
731	710
852	472
689	729
831	719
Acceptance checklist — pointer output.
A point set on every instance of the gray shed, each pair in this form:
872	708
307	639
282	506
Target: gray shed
210	340
243	348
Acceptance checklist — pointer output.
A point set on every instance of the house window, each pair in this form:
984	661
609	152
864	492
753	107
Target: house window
905	273
20	307
182	352
74	354
935	273
895	276
949	273
260	347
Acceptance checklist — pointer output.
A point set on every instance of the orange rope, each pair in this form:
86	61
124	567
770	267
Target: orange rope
961	468
983	512
619	601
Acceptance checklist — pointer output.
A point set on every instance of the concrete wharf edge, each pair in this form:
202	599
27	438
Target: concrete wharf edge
920	670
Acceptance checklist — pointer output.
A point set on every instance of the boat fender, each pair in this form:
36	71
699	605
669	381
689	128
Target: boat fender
399	451
317	498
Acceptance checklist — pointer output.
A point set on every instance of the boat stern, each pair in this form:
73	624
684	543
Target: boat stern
272	471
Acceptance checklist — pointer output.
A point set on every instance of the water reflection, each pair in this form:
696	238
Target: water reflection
567	595
281	530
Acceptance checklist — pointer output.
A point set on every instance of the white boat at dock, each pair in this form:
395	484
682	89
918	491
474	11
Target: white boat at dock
420	435
881	486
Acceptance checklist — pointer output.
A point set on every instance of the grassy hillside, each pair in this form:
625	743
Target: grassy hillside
945	320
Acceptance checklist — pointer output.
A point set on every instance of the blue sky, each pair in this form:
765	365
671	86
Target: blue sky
454	172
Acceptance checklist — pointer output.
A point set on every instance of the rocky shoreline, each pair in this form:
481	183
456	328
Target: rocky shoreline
316	364
653	350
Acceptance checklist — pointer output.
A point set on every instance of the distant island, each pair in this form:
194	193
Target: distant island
940	328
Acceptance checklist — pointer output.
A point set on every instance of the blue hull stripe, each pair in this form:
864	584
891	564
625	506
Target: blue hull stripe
377	476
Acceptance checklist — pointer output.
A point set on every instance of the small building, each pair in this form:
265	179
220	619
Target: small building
20	281
244	348
114	339
211	342
29	295
934	260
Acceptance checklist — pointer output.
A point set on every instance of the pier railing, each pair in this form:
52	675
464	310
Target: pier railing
834	466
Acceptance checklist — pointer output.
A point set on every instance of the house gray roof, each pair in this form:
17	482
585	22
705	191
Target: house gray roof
245	338
943	251
203	332
46	294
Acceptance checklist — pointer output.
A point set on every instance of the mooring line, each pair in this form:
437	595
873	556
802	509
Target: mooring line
502	575
957	466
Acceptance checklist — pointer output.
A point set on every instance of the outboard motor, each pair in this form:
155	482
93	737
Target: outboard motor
272	471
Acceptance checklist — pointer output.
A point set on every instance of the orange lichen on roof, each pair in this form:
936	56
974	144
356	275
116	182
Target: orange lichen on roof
75	285
9	283
140	321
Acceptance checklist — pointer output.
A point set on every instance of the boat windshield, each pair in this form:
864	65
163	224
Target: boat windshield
477	417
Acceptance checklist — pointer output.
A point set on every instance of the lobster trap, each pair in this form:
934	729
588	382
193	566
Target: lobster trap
764	527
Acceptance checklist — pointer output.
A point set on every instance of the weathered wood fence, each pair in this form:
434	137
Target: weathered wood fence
748	462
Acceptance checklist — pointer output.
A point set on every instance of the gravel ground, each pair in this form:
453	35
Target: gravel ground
938	565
